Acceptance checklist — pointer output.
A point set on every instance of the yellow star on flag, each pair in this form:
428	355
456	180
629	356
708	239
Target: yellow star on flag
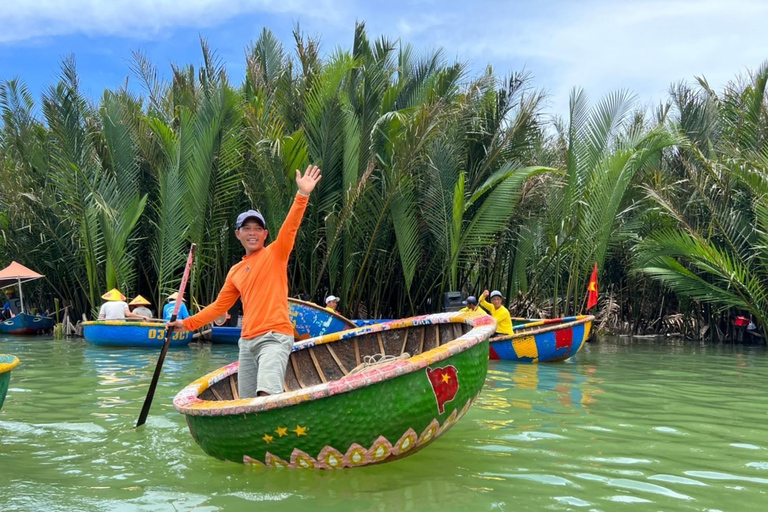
300	431
593	286
268	438
282	431
446	377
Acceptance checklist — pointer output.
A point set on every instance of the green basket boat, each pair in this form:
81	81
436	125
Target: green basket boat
7	363
340	411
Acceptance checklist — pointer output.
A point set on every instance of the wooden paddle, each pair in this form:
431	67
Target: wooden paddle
161	359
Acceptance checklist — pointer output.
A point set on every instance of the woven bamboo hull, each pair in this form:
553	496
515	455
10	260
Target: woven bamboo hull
7	363
26	324
309	321
116	333
543	341
330	418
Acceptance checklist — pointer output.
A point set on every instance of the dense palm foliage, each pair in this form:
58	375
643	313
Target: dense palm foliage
433	180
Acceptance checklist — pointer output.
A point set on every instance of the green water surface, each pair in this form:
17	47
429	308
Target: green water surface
627	425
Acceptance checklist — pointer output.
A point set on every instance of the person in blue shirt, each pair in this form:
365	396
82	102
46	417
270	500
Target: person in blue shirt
12	306
168	308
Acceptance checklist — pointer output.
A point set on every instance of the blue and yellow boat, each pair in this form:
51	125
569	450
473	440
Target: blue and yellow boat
118	333
309	321
543	341
7	363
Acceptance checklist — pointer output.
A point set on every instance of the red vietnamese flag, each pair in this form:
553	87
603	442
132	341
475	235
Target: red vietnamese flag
592	289
445	385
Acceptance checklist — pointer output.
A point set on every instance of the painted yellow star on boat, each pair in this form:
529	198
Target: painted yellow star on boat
300	431
446	377
282	431
267	438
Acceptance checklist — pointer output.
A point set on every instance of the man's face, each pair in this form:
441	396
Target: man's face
496	301
252	235
333	304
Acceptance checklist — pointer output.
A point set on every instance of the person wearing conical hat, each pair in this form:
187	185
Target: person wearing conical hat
168	308
116	308
138	306
332	303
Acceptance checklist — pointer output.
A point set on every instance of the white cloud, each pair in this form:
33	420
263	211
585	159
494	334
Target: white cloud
641	45
22	20
601	45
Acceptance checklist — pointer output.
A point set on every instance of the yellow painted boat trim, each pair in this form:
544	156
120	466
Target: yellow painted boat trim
6	367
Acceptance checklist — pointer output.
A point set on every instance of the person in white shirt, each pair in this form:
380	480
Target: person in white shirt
116	308
139	306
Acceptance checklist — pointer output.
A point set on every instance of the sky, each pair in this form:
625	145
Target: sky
599	45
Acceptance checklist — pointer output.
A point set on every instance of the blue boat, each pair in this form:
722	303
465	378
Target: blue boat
21	322
24	323
309	320
364	322
117	333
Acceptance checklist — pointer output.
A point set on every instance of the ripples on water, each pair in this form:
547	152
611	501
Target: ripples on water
642	426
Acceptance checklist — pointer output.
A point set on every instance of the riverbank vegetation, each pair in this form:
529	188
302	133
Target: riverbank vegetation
434	179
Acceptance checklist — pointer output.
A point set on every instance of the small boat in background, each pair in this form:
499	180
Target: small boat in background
309	321
7	363
543	341
26	324
21	322
119	333
354	398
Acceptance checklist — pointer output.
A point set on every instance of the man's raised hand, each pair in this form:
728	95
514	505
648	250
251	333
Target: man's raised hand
308	182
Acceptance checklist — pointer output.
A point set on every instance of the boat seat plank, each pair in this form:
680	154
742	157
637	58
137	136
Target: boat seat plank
319	369
344	357
431	338
331	367
307	374
414	343
393	341
296	372
382	350
357	352
369	345
405	340
233	386
445	332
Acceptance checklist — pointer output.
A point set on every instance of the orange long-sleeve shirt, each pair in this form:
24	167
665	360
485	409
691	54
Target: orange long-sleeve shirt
261	279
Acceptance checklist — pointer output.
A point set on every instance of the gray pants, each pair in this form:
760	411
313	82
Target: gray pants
263	361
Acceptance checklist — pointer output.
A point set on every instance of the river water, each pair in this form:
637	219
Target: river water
627	425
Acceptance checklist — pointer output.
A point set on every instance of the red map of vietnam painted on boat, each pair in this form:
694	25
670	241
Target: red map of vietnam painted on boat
445	385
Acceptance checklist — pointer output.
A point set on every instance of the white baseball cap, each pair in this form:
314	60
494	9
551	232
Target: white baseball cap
496	293
331	298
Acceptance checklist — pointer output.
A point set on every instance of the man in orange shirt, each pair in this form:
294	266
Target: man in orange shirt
261	280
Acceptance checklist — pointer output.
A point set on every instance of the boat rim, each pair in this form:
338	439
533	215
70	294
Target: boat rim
312	305
124	323
187	401
8	362
547	325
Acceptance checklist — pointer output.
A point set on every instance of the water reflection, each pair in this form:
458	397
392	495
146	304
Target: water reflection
548	388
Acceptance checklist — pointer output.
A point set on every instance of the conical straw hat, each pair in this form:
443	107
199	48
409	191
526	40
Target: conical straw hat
113	294
139	301
174	296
